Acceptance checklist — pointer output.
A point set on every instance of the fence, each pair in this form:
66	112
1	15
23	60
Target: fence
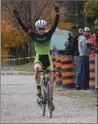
67	70
10	61
64	63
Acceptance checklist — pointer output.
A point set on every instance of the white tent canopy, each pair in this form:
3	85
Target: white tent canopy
59	38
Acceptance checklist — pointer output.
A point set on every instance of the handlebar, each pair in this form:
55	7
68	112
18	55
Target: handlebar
47	70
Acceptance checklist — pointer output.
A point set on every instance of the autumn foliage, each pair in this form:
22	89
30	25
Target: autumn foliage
10	37
62	24
11	34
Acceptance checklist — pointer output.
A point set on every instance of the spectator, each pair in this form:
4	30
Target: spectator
96	37
96	23
68	45
90	39
75	49
54	50
82	74
75	41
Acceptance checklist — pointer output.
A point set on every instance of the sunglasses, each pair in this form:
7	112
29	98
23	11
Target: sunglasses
41	29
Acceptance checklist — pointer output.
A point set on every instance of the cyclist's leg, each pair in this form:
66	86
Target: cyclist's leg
52	87
38	67
52	77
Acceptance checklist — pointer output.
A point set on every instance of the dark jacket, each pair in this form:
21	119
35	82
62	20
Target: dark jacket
68	47
75	46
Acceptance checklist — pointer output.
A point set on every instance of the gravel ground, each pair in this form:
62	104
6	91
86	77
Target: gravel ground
18	103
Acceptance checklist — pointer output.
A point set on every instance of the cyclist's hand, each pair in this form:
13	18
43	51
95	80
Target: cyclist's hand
16	13
56	7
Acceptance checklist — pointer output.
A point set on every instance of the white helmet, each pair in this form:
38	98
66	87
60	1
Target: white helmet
40	24
87	29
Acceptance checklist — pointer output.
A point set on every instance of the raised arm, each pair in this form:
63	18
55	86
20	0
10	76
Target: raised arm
27	30
56	20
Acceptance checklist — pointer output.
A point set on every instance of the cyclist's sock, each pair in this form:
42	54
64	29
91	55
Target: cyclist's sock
39	90
38	86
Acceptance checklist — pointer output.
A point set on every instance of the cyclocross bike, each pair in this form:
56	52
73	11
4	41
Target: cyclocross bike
46	91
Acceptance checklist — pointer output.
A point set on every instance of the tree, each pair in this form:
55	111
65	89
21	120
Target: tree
10	36
30	12
91	8
62	23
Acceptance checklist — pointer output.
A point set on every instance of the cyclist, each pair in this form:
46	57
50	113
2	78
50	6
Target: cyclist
42	46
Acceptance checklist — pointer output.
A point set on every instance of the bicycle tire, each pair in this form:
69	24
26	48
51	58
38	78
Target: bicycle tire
49	98
43	102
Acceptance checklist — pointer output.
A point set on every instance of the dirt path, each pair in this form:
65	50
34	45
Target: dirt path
18	103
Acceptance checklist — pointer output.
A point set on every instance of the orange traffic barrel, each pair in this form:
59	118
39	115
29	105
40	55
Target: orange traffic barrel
54	60
92	71
67	72
58	66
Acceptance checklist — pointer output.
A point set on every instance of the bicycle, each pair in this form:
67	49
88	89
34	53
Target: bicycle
46	91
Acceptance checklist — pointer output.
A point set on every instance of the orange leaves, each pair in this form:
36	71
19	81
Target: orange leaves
62	25
65	25
51	16
10	36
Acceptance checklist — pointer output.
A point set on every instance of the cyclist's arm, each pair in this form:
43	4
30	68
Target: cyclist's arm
55	24
27	30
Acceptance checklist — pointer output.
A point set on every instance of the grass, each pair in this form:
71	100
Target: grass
25	67
85	98
74	93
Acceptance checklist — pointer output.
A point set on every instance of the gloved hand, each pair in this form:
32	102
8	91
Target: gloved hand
57	9
16	13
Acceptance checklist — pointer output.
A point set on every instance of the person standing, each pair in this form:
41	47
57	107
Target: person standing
68	45
54	51
96	36
76	51
82	74
91	40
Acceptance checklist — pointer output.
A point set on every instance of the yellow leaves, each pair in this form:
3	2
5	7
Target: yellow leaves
62	25
10	36
51	16
49	27
6	45
65	26
3	22
91	8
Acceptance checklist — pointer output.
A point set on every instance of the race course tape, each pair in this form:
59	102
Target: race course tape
19	58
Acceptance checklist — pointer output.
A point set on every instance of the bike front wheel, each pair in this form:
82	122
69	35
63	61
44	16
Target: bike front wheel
49	98
43	107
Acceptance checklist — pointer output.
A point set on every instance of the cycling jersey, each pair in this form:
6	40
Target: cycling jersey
41	42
